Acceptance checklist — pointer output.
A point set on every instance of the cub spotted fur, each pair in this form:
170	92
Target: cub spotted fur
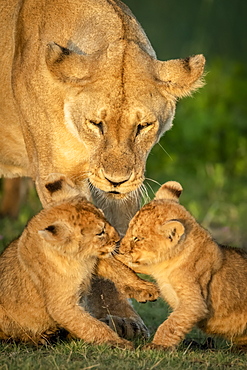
205	283
45	273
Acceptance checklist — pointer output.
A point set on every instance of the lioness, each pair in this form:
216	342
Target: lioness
84	98
205	283
45	272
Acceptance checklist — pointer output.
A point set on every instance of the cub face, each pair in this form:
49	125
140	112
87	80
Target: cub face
156	231
75	228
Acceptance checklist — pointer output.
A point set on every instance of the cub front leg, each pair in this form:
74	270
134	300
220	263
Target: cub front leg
126	280
82	325
191	308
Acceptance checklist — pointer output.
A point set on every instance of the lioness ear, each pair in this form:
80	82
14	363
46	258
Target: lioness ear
69	66
182	76
172	231
56	233
169	190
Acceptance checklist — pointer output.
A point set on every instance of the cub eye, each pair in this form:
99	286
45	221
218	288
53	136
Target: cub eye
102	232
97	124
51	229
143	126
135	239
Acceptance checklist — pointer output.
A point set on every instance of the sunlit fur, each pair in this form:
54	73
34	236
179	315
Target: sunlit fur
47	271
83	96
203	282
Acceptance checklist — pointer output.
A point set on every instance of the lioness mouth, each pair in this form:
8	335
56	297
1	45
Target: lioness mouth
113	192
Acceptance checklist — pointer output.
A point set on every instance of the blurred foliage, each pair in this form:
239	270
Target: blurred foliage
11	229
179	28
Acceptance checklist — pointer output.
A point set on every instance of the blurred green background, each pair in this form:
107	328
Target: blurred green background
206	150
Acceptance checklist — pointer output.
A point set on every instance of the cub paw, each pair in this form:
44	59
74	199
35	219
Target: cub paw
145	291
157	347
124	344
126	327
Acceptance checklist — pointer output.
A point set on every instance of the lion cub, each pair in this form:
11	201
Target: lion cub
205	283
45	273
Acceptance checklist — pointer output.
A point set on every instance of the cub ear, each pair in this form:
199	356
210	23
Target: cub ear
170	190
69	66
56	233
182	76
172	231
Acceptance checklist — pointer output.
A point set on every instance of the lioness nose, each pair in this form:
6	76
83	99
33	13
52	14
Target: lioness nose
116	181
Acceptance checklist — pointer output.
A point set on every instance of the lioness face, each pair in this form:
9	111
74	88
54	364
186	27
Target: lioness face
77	228
118	103
118	141
118	128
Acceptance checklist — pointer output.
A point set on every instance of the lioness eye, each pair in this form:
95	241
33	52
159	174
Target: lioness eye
99	125
142	126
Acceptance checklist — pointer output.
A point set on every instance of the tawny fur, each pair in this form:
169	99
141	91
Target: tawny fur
83	97
47	271
204	283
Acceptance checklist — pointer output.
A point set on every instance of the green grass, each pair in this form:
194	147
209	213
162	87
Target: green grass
79	355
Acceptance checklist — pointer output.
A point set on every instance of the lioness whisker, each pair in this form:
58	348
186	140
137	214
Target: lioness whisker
150	187
165	151
144	193
156	182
